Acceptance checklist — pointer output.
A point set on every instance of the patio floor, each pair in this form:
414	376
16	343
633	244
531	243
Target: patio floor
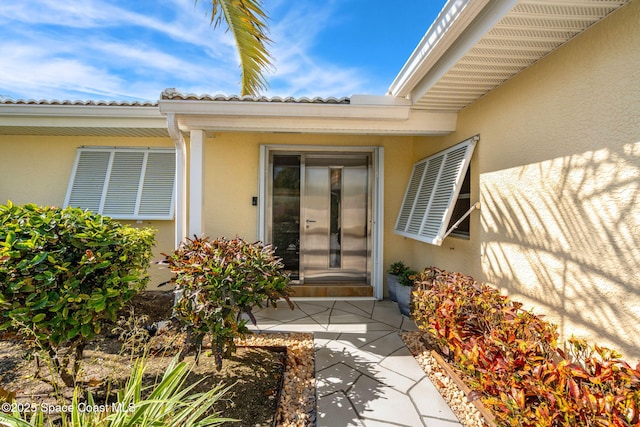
365	375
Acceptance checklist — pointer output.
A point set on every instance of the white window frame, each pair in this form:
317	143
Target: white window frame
456	232
432	191
128	183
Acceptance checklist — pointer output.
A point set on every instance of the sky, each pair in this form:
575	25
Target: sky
131	50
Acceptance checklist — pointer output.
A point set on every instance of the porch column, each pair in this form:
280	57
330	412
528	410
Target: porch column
181	178
196	182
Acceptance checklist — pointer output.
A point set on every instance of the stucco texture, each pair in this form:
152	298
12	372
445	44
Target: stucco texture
557	171
231	180
36	169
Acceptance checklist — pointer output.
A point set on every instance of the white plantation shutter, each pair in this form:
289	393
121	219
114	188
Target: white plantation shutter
421	203
89	174
124	183
432	191
159	175
124	180
412	190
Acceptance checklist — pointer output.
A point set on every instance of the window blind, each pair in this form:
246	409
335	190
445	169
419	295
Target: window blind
431	193
124	183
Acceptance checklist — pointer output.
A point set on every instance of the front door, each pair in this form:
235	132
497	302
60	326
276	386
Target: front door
334	245
320	215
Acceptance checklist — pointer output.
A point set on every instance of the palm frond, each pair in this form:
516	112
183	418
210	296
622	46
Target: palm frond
247	22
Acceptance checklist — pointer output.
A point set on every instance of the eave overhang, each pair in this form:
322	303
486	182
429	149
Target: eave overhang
81	119
378	115
475	46
454	18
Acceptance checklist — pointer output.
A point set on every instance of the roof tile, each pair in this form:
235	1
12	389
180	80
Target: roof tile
172	94
9	101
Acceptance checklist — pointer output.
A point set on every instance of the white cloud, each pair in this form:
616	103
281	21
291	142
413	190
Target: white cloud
55	77
119	49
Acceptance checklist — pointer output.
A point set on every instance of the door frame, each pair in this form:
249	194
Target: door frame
377	195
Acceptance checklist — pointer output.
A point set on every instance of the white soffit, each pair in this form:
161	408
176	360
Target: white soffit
77	118
527	32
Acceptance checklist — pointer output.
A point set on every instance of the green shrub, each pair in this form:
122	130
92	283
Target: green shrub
220	281
511	358
397	268
406	275
63	274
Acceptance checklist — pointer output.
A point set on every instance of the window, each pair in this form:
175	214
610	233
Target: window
124	183
435	183
462	206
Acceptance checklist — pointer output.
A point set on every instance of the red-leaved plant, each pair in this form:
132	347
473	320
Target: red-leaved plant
510	357
219	282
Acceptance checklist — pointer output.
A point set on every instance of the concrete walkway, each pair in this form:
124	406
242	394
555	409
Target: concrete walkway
365	376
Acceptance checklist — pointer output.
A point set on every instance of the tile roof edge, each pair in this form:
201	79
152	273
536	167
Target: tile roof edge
88	103
171	94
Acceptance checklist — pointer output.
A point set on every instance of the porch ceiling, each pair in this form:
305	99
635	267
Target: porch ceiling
504	38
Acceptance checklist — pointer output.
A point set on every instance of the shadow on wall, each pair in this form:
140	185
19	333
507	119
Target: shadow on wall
563	236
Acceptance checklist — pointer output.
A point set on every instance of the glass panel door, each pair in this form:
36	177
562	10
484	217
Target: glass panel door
335	215
286	211
318	215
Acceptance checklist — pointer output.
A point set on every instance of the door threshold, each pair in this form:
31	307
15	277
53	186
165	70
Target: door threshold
310	299
332	290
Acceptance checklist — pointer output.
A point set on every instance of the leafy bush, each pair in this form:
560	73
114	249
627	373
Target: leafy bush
587	385
397	268
511	358
406	275
63	274
463	314
171	402
220	281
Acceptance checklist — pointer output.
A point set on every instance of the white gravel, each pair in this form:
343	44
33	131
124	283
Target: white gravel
465	410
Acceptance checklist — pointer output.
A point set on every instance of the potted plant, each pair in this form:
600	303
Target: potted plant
403	291
394	272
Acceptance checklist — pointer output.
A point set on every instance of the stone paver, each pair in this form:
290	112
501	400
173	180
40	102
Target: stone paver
365	375
379	402
336	410
435	412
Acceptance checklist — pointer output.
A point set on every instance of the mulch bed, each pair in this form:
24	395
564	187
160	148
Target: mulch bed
272	374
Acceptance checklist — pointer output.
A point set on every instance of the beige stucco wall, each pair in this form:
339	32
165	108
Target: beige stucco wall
557	171
36	169
232	161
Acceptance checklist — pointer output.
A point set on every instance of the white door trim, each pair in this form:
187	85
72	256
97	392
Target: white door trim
377	159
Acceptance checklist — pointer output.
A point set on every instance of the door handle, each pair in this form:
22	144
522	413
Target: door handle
310	220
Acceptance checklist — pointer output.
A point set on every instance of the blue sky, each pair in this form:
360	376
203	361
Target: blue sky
133	49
